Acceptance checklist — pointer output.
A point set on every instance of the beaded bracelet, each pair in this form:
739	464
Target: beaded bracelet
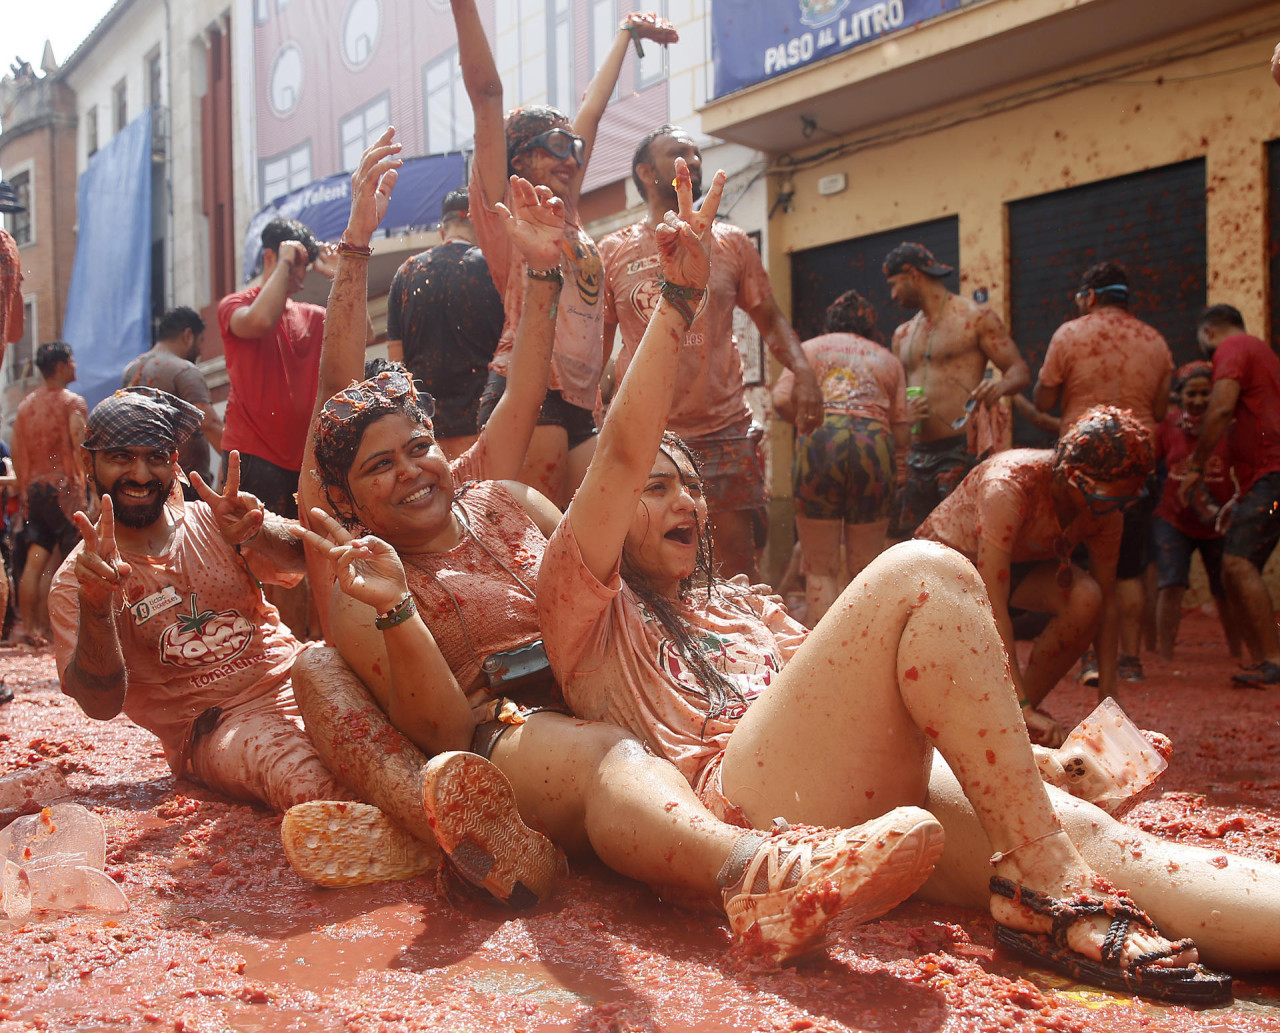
354	250
682	298
398	614
552	275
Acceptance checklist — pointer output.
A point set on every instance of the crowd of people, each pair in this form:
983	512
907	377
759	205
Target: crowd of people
539	628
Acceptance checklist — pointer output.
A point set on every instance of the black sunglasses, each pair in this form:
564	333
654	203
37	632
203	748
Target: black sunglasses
559	143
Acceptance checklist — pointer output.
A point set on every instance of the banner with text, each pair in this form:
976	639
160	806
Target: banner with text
755	40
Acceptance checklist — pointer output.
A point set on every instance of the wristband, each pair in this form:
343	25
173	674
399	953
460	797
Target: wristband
682	298
398	614
354	250
552	275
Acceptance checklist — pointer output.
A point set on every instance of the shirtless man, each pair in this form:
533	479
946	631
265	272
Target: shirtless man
945	348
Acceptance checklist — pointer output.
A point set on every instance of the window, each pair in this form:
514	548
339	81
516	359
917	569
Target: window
361	128
22	351
120	105
653	66
450	122
360	32
560	56
285	172
91	131
284	85
19	224
604	27
155	81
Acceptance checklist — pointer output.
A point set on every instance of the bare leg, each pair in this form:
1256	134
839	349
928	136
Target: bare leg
1169	616
1231	911
1149	588
735	544
824	576
1075	622
1244	584
29	593
910	658
1234	627
1130	602
862	544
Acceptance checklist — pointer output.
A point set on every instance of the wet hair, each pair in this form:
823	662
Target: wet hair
277	231
1222	316
851	313
176	320
376	365
1191	371
716	688
49	354
644	152
338	441
1109	281
1106	444
455	206
523	124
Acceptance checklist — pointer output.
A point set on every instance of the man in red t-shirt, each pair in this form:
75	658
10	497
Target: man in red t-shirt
1246	390
710	410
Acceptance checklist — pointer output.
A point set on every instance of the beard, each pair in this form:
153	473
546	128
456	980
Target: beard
133	514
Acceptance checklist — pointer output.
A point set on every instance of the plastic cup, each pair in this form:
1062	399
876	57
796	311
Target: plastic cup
915	392
1107	760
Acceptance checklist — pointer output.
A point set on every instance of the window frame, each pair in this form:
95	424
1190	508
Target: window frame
360	112
22	177
91	144
284	156
119	105
458	102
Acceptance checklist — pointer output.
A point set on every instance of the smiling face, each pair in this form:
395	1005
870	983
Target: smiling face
1195	396
137	479
399	484
542	168
670	520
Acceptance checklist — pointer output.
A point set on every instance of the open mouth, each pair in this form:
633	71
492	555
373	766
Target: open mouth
684	534
137	492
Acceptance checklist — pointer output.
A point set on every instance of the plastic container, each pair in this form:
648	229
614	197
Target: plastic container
25	792
53	862
1106	759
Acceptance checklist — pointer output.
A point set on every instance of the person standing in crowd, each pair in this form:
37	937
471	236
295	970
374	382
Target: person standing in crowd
170	366
444	319
945	348
272	346
1183	529
843	474
711	411
46	434
542	145
1245	397
1108	356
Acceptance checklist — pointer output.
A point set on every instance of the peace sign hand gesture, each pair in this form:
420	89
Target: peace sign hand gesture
238	514
683	236
99	568
368	569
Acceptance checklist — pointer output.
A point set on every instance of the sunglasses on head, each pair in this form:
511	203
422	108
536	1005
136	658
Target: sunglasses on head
386	386
559	143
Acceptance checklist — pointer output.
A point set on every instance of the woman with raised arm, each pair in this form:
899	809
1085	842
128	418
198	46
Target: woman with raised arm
546	147
836	725
436	618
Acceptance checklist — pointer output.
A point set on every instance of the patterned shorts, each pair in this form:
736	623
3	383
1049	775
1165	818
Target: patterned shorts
732	467
844	470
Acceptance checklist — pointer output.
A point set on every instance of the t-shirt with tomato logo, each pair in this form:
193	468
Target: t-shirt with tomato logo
195	630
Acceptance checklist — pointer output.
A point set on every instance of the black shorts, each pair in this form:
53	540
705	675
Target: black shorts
1255	525
1135	542
578	423
934	470
48	525
275	487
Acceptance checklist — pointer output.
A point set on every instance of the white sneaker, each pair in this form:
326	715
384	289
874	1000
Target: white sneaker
798	880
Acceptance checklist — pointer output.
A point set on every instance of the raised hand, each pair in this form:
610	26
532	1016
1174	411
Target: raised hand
367	568
99	568
326	263
238	514
683	235
535	223
651	26
371	186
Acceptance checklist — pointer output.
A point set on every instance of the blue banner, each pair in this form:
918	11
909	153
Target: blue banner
324	205
108	320
755	40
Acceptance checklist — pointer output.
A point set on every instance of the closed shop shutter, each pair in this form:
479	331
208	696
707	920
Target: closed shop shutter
820	275
1152	223
1273	239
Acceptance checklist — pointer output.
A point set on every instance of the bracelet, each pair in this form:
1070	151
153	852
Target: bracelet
552	275
398	614
682	298
634	33
354	250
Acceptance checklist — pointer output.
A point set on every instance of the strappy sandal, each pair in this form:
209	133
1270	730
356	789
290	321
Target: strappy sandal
1190	985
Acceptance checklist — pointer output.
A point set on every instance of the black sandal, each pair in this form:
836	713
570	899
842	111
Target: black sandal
1191	984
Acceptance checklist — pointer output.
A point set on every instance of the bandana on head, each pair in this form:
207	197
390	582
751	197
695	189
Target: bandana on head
141	417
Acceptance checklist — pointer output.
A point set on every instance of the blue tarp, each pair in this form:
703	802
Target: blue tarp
108	321
755	40
324	204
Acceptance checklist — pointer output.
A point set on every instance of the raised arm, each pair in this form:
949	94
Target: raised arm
602	509
484	88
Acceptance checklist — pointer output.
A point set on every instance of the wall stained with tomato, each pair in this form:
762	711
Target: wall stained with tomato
1151	222
1273	237
820	275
